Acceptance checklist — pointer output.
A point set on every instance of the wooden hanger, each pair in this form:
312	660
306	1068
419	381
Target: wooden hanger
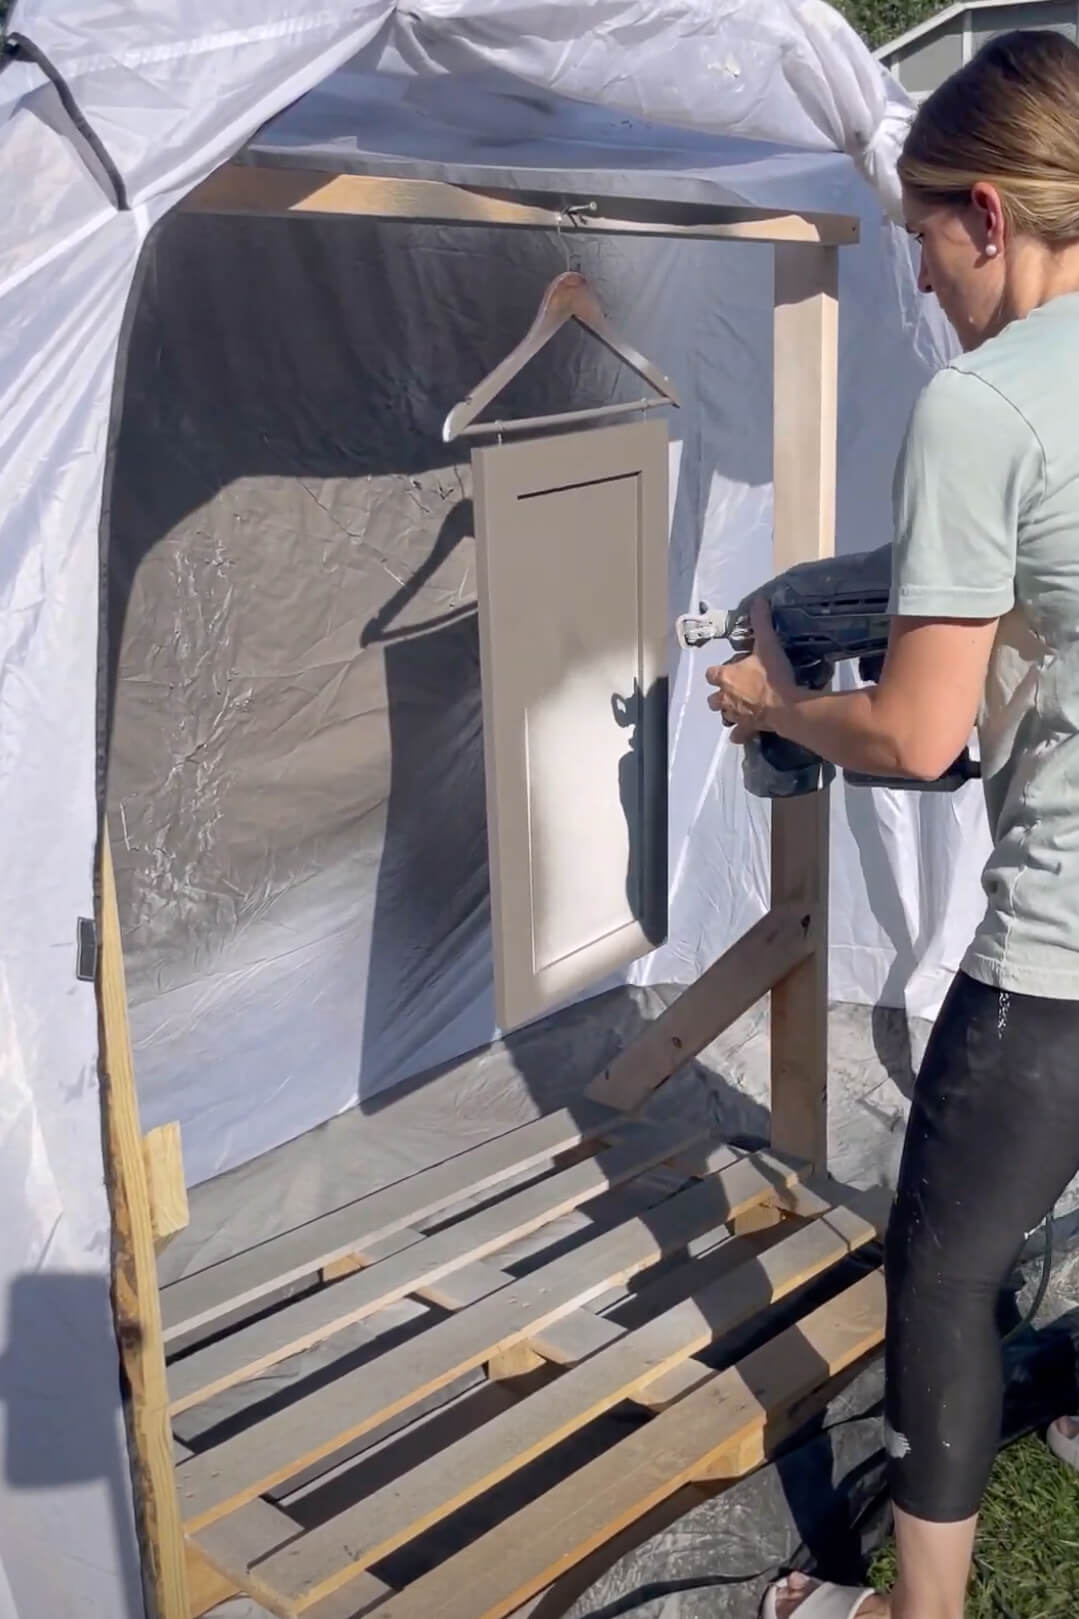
569	297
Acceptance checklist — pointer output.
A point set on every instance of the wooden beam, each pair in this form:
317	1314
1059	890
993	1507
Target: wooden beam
804	452
135	1298
770	950
163	1150
239	188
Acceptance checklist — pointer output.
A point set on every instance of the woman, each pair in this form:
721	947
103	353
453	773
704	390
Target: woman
985	629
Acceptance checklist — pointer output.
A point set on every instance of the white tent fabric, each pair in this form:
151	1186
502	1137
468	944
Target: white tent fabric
171	90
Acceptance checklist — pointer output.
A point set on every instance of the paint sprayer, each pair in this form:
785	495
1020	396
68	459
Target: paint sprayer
827	612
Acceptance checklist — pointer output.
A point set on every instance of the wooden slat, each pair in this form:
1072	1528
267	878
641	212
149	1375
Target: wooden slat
195	1300
403	1509
262	1528
734	983
728	1417
804	471
229	1548
246	189
309	1321
135	1299
342	1606
327	1421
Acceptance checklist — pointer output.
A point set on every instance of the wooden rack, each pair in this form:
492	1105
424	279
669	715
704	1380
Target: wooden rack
743	1232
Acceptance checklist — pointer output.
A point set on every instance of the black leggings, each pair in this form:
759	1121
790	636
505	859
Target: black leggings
992	1142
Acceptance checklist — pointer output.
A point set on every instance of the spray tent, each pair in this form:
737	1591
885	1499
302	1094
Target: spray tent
238	602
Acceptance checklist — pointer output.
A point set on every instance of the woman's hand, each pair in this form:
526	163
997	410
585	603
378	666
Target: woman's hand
755	683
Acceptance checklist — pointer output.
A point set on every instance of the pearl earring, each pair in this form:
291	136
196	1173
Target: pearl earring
991	250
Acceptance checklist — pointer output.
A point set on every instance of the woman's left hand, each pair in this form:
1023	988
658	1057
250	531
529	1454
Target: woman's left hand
749	686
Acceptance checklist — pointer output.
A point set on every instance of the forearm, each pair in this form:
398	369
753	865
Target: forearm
853	730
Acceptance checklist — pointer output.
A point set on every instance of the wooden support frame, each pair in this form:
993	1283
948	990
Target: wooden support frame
707	1427
135	1298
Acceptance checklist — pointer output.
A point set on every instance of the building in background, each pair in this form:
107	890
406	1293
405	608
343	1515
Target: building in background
924	56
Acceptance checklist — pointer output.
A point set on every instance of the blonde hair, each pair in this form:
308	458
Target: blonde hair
1010	117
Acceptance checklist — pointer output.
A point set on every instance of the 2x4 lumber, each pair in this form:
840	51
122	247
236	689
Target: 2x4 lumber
772	948
304	1570
804	473
201	1298
252	1350
325	1422
238	188
135	1299
729	1417
163	1150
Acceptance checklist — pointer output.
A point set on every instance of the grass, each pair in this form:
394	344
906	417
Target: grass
1028	1540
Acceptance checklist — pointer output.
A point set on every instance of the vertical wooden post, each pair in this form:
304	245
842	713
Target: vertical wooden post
805	377
136	1302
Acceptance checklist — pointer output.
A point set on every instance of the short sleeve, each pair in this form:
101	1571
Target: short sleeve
969	467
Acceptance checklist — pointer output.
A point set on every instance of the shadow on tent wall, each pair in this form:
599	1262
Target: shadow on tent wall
54	1436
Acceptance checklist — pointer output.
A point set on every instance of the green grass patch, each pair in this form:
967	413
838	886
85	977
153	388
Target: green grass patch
1028	1540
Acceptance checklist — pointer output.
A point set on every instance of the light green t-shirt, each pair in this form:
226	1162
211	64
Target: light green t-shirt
987	526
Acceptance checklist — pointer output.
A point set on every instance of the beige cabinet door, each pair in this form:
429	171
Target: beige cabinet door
571	535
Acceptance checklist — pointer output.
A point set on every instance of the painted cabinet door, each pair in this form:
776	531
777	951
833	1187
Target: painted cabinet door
572	535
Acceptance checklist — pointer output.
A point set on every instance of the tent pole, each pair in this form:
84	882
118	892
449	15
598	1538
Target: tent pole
136	1302
804	474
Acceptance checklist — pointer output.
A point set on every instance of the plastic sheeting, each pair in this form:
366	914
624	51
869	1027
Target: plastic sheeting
171	90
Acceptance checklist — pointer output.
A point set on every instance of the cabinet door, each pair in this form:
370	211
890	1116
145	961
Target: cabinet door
571	537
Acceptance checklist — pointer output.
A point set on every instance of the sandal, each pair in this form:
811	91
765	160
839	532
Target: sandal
824	1601
1063	1445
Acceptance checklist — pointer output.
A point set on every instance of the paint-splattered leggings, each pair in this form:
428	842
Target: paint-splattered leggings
992	1142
